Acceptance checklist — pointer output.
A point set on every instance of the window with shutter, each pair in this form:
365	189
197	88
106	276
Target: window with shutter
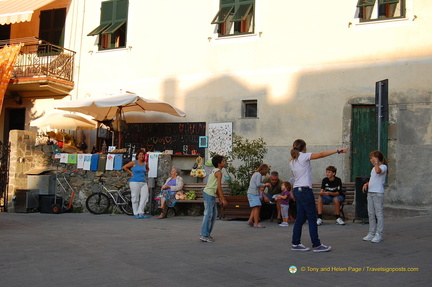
235	17
52	25
370	10
113	24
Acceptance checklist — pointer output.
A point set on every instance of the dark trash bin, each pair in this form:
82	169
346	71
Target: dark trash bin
361	212
47	202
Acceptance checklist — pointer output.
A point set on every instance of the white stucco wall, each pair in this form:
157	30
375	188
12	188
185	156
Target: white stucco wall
305	64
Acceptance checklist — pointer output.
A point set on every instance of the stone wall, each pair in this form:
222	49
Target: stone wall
24	156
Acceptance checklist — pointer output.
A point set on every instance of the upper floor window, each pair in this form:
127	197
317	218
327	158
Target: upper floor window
5	31
235	17
113	24
52	26
250	108
369	10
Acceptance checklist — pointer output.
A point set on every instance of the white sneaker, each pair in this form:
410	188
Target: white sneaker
377	238
340	221
368	237
284	224
319	221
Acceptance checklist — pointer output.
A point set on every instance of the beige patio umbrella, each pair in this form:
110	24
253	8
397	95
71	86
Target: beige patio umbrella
65	122
107	108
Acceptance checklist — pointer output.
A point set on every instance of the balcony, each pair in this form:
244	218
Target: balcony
43	70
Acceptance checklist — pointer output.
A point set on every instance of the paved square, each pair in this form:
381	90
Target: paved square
117	250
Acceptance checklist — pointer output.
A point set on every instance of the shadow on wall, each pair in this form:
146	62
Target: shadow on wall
320	110
221	100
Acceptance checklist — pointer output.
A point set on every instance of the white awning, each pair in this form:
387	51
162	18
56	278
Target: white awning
15	11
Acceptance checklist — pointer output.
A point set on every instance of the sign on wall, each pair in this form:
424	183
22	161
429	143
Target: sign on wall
181	138
220	138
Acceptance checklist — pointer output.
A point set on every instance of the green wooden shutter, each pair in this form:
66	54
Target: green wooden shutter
99	29
121	12
242	12
119	16
364	3
382	2
222	14
107	12
51	26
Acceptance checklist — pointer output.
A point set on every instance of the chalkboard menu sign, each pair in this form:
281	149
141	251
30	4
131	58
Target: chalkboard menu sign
181	138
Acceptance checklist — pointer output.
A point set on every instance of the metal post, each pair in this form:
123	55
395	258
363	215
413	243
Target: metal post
379	107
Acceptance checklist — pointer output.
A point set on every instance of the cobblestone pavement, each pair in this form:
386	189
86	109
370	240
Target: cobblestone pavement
116	250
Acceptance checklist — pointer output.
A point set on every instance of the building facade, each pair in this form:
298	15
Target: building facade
275	69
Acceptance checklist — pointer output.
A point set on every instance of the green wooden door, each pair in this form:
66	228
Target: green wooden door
365	139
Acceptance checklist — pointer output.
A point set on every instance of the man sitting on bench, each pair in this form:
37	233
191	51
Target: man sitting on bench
270	193
331	191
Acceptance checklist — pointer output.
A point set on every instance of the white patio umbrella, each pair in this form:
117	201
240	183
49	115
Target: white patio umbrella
107	108
64	121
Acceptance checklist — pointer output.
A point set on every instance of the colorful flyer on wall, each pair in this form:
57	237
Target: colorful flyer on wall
220	138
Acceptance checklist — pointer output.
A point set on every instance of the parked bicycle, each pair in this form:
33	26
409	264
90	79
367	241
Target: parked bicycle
101	199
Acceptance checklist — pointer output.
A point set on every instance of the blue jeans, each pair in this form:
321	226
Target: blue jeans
210	214
306	209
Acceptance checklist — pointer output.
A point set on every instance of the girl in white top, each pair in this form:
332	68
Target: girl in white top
375	196
304	197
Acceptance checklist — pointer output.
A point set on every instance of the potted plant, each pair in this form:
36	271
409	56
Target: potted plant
245	157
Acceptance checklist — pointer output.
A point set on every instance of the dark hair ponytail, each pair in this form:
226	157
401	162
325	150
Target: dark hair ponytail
298	146
380	156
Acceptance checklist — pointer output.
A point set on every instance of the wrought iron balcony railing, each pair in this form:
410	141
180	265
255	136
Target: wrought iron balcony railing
44	60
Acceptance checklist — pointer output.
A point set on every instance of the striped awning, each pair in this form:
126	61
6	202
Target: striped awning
15	11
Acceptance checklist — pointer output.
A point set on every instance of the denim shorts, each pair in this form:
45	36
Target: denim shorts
329	199
254	200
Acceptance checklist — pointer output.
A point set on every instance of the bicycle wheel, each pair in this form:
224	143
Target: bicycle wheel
127	209
98	203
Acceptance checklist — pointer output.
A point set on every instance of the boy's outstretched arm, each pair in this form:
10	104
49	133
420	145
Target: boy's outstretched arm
219	191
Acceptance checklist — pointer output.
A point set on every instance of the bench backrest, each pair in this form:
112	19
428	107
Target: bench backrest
348	187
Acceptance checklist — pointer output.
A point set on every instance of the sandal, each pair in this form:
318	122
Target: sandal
162	215
250	224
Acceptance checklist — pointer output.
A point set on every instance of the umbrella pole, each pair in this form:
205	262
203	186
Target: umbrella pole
120	135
